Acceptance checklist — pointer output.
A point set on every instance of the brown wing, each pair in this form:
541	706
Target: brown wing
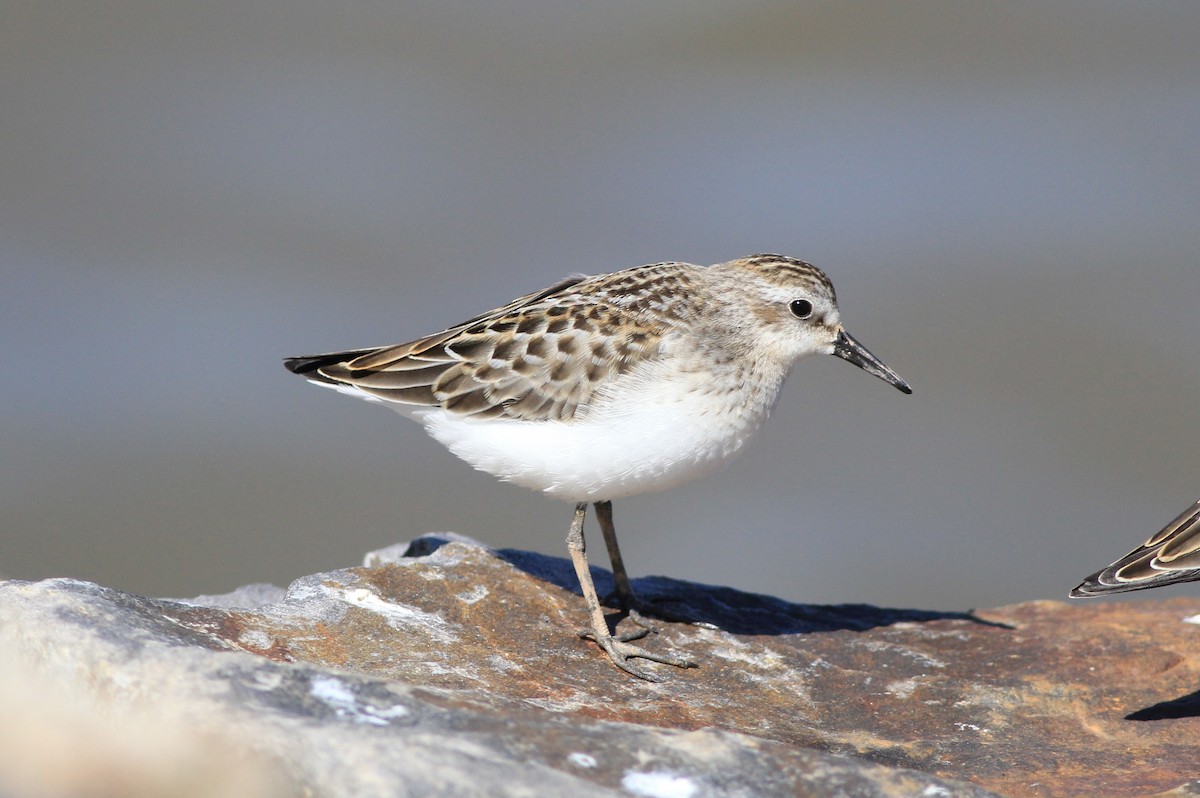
542	356
1172	555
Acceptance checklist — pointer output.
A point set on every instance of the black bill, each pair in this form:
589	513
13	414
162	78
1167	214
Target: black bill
852	351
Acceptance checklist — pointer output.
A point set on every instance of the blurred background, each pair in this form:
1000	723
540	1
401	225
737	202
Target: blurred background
1006	196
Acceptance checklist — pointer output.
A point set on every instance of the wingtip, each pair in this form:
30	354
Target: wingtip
297	365
307	364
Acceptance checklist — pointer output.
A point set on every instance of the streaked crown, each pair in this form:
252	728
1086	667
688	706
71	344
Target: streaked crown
773	267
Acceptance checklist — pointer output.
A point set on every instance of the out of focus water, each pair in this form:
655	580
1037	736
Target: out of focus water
1006	196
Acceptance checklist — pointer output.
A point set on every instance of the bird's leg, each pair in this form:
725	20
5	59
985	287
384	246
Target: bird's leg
624	590
628	601
619	651
578	550
620	577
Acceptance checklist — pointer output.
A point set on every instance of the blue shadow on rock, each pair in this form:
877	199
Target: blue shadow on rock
734	611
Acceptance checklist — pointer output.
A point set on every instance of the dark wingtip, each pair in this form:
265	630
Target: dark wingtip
307	364
301	365
1103	583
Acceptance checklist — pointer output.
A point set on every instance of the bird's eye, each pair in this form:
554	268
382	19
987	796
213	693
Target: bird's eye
801	308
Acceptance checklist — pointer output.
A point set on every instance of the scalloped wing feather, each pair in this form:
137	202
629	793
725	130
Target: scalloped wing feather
540	357
1172	555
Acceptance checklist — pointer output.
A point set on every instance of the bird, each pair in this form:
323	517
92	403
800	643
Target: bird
601	387
1171	555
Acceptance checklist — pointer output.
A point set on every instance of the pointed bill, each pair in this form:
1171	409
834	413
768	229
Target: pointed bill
852	351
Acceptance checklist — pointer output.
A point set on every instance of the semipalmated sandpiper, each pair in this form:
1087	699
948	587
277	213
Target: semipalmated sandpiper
1172	555
602	387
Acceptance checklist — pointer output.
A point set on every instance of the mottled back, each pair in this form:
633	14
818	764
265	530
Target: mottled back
540	357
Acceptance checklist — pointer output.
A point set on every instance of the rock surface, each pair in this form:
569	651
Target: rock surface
447	668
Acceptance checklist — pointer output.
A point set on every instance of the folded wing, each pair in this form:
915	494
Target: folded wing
1172	555
543	356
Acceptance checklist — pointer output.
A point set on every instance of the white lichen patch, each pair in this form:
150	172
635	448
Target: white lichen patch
502	664
903	688
563	703
304	590
989	697
468	672
398	616
759	663
819	664
266	680
761	658
924	659
254	638
731	649
474	595
658	784
923	631
582	760
334	693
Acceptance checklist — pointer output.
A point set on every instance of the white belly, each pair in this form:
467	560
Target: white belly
656	435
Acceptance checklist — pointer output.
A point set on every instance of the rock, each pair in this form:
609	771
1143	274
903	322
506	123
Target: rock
246	597
60	740
447	668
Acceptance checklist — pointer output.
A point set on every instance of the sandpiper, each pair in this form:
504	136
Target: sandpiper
1172	555
606	386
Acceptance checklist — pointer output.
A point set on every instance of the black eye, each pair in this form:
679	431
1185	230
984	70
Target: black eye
801	308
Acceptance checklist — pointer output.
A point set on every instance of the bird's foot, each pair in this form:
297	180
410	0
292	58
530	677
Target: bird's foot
643	628
620	650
